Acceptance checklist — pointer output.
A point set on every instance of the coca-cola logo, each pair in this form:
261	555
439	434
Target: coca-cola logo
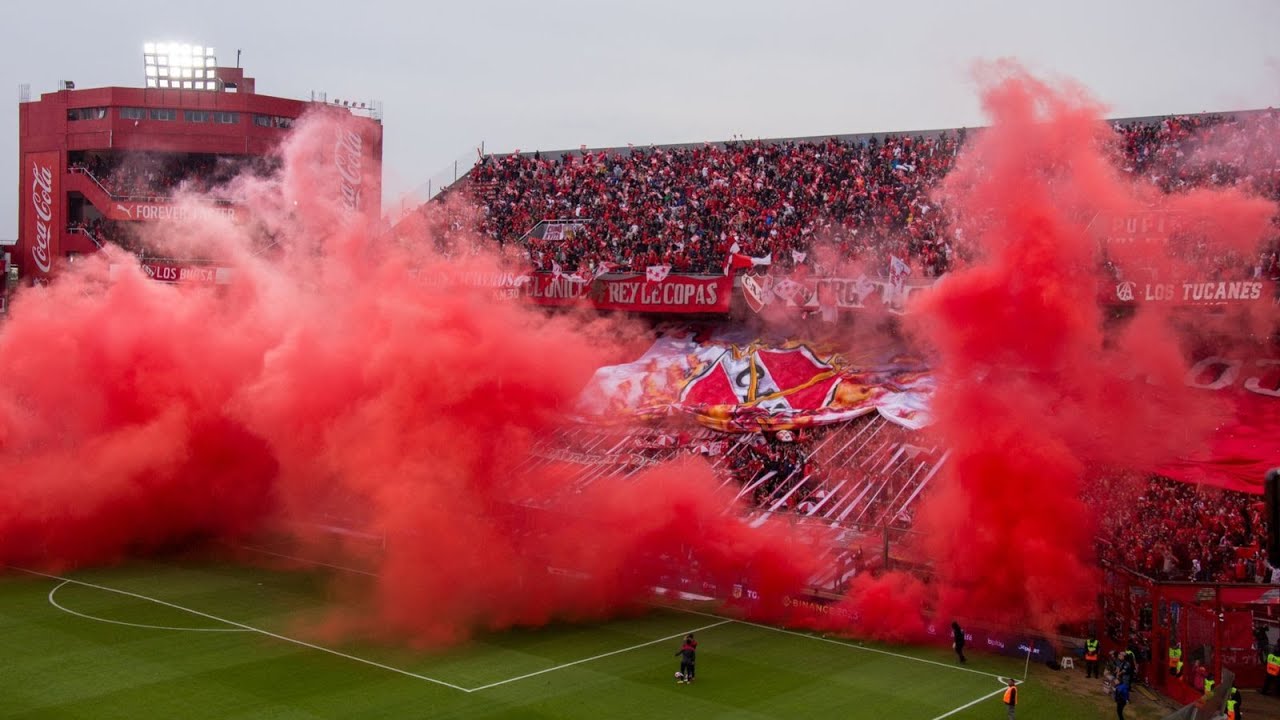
42	203
348	153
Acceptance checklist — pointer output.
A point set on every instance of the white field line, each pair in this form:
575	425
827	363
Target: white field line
968	705
705	614
839	642
264	551
69	611
602	655
242	626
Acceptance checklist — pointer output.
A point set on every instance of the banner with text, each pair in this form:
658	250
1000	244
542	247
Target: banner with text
185	274
1189	293
42	213
150	211
830	294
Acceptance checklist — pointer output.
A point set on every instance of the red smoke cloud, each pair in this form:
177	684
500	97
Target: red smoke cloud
1036	392
341	375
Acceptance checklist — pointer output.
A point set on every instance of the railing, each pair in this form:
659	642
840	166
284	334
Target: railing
82	170
76	229
441	180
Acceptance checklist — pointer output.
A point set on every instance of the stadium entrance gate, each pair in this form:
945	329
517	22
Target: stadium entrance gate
1213	622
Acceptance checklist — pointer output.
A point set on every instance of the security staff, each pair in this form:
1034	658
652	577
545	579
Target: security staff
1175	660
1091	657
1011	697
1233	705
1273	673
1209	682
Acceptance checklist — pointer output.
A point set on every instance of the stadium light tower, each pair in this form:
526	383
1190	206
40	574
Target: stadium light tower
171	65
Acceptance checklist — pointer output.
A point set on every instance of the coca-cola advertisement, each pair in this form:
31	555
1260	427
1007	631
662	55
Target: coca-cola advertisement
42	213
355	151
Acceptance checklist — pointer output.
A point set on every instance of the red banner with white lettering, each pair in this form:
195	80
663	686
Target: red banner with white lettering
1188	293
633	292
42	212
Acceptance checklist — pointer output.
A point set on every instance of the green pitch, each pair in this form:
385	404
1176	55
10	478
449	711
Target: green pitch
200	640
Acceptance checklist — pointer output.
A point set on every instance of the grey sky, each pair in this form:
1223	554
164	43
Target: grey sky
560	73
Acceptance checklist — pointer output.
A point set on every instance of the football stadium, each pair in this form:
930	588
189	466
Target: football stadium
965	422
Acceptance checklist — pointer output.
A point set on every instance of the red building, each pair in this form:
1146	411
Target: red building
96	163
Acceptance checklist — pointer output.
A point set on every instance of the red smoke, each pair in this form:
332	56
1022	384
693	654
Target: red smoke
1036	392
342	376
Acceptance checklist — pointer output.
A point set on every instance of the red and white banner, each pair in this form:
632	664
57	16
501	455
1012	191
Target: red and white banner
633	292
184	274
42	213
814	294
728	386
1232	292
150	211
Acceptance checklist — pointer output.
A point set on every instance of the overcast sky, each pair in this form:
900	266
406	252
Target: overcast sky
559	73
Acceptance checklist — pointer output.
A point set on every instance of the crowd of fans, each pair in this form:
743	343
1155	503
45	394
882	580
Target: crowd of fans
688	206
1182	153
1179	531
870	198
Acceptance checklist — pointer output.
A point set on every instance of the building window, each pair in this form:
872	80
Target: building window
226	118
164	114
273	121
132	113
94	113
198	116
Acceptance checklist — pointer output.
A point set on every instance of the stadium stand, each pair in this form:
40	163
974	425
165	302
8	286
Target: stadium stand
686	206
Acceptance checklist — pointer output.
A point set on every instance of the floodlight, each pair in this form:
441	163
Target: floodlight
180	62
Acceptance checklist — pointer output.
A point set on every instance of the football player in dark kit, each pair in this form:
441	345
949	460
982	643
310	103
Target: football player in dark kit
687	653
958	640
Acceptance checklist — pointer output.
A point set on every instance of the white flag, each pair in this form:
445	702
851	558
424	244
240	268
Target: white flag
897	267
798	257
657	273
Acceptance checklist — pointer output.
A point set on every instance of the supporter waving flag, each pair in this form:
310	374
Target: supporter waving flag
657	273
736	260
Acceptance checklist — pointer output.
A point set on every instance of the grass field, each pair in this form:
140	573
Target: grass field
215	640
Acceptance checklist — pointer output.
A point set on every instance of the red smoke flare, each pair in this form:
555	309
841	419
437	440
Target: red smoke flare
348	377
1036	393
